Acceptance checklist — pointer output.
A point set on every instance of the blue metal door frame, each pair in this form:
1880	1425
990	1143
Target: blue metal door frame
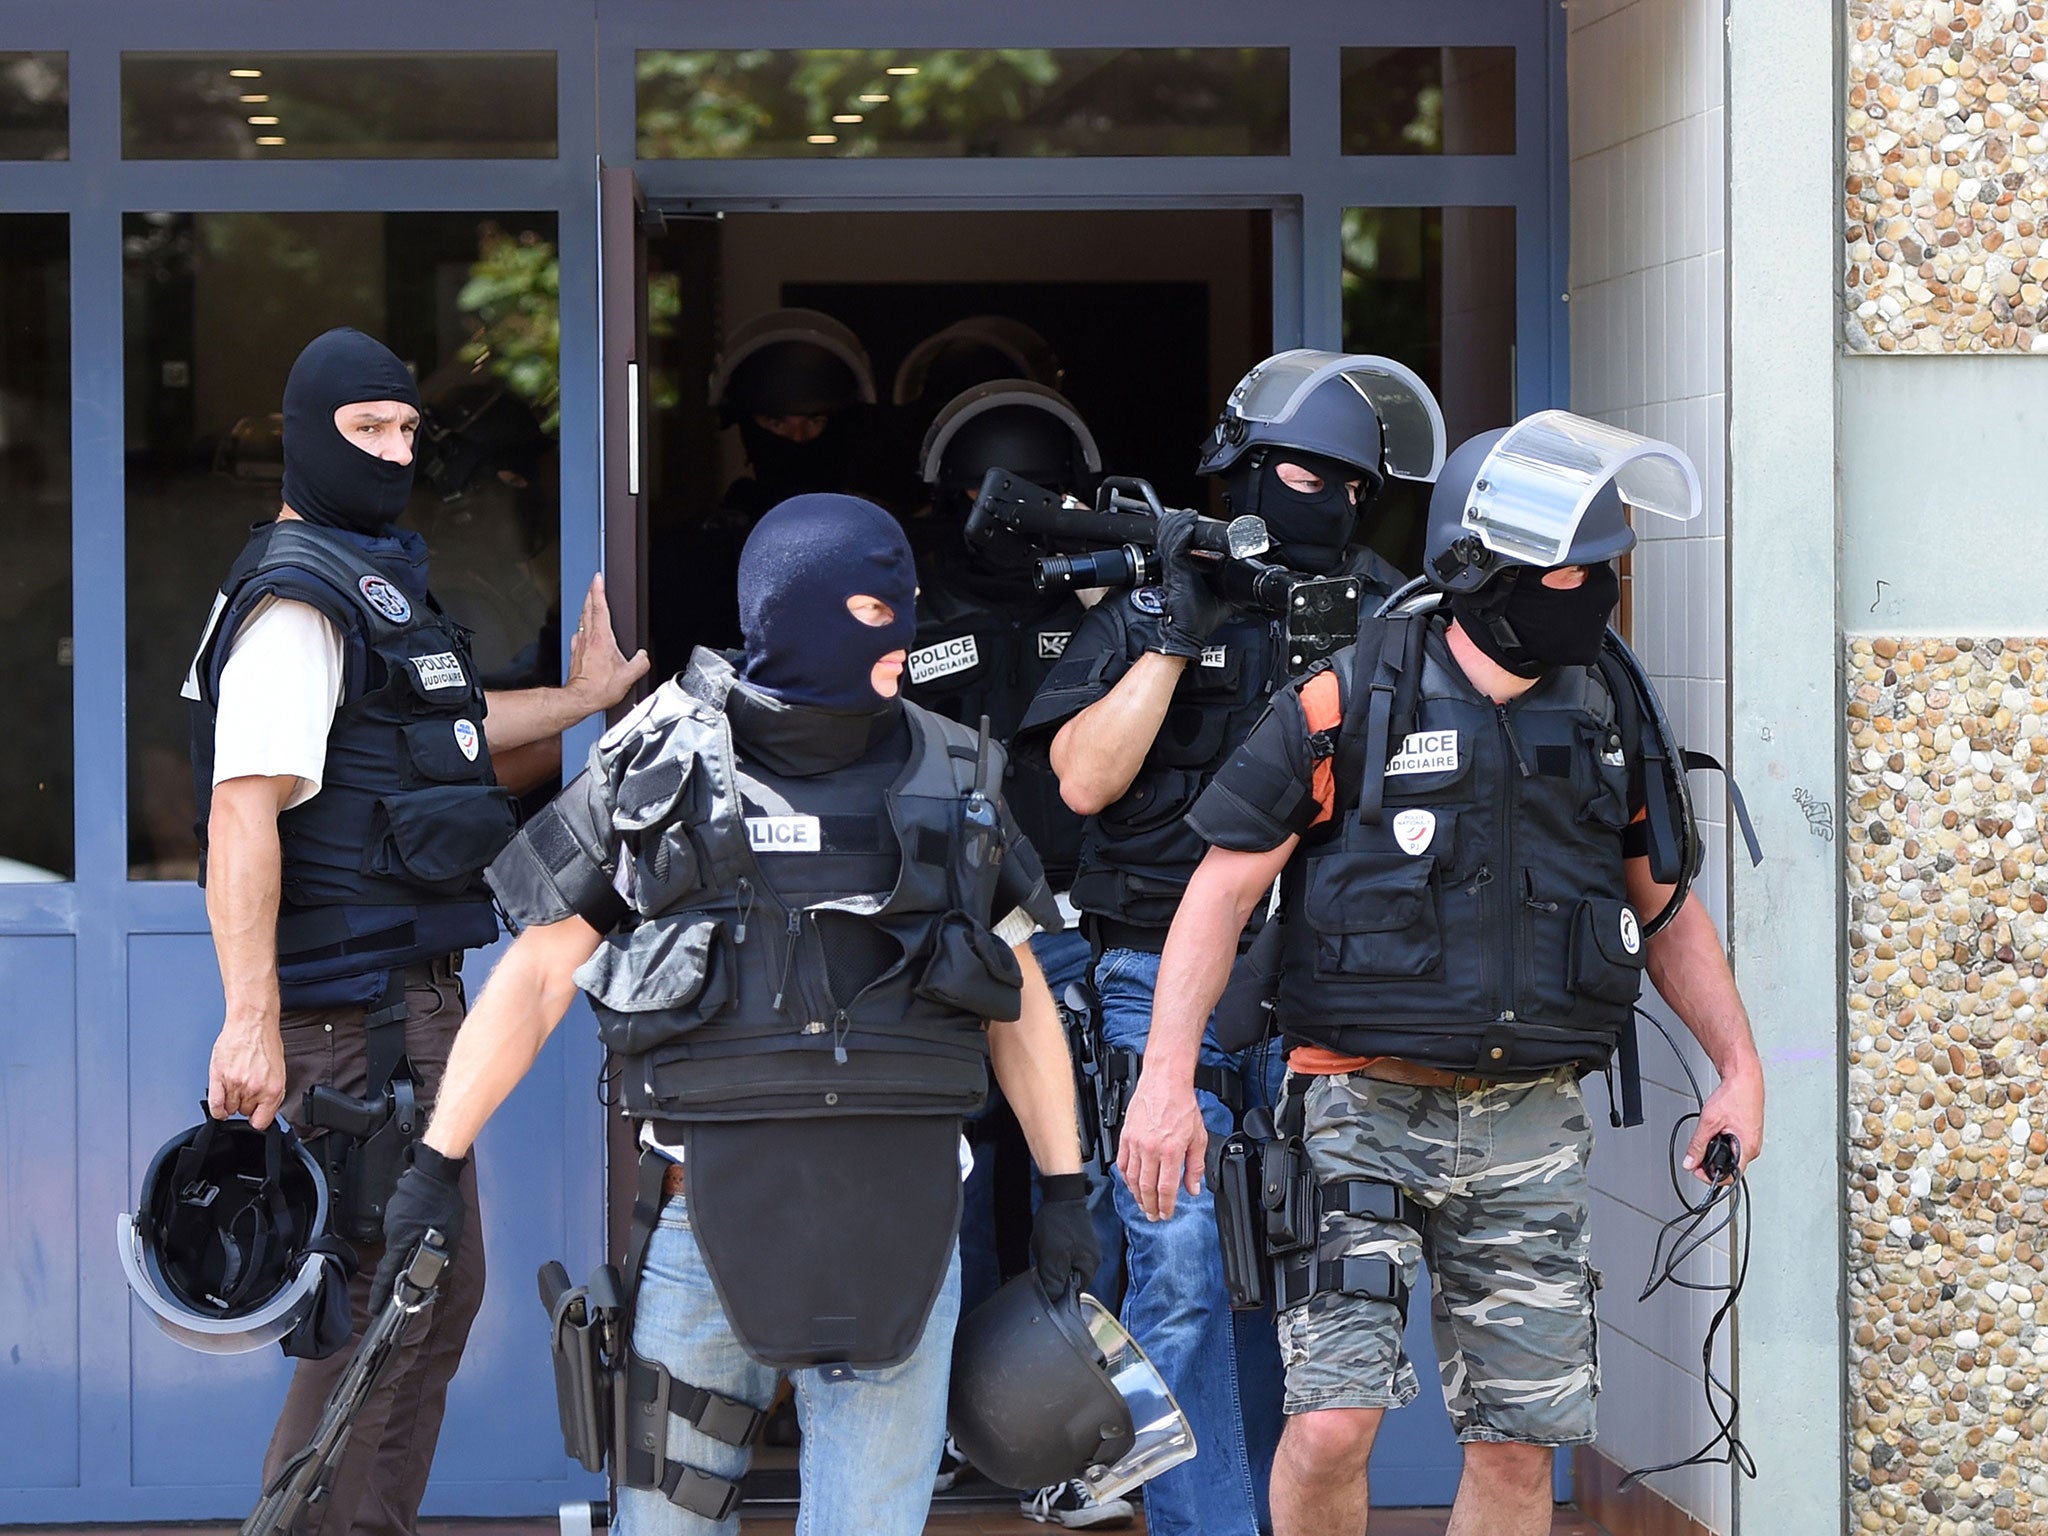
131	959
137	945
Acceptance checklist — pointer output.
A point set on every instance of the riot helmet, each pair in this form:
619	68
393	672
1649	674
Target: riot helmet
228	1247
791	362
1342	417
1028	429
1045	1390
1551	491
977	350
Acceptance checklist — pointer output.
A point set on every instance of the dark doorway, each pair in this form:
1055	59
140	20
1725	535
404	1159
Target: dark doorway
1152	315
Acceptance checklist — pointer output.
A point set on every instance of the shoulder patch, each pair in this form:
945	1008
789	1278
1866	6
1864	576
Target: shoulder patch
385	598
943	658
1149	600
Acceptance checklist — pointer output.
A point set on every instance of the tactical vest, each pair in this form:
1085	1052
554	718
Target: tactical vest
1138	854
716	995
383	866
1481	922
974	657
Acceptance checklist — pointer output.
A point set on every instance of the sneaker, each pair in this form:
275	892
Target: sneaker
1072	1505
954	1467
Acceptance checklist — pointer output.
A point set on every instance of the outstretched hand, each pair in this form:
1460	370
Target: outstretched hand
600	674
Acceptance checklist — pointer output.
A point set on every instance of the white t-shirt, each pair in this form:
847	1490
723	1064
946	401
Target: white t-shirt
278	694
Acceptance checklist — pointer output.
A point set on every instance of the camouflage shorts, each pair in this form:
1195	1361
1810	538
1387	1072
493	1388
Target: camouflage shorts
1498	1177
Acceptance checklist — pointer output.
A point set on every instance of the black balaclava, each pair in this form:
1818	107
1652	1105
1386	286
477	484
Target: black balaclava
1529	628
1310	531
784	467
327	479
801	563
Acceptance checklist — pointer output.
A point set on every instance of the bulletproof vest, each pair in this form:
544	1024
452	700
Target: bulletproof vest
1481	923
384	865
974	656
1138	854
739	988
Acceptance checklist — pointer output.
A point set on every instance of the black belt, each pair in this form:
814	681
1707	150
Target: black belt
1113	933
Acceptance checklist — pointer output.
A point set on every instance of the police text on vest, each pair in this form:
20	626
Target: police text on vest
785	834
438	671
943	659
1426	752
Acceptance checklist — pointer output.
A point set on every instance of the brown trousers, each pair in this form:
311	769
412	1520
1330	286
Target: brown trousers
382	1475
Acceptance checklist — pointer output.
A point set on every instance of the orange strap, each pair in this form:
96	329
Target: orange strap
1315	1061
1322	708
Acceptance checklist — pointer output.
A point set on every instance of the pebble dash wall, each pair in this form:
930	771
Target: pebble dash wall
1948	1100
1945	199
1946	188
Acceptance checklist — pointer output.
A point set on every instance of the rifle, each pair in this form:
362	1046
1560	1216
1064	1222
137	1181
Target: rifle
304	1479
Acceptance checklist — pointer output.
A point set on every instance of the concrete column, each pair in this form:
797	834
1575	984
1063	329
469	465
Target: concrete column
1784	740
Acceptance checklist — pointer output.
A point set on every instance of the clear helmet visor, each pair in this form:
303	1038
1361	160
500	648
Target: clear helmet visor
1163	1437
1411	422
253	1328
1533	489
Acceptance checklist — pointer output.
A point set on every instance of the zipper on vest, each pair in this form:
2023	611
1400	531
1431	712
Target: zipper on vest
746	895
795	932
1514	743
1510	918
839	1027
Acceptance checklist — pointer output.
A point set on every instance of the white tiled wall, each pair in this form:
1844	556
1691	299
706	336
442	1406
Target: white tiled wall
1649	318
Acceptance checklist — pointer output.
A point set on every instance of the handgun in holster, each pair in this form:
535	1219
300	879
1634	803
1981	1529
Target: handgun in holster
369	1139
582	1327
1080	1011
1269	1211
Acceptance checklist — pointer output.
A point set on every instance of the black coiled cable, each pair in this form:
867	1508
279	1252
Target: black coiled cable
1723	1208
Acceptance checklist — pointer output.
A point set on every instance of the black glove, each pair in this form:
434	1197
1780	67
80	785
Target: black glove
1193	608
1063	1246
428	1198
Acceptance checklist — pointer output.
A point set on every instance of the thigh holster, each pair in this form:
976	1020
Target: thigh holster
614	1404
369	1139
1269	1214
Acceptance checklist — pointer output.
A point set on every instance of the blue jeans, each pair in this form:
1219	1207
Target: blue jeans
871	1441
1261	1380
1176	1307
1064	957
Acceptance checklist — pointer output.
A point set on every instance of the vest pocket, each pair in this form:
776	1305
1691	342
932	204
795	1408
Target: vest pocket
446	751
972	970
437	839
1374	914
659	981
1606	957
1156	799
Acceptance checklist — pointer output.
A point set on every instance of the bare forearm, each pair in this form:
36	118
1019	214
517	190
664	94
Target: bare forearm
1099	752
1195	966
1029	1054
1690	970
243	880
526	715
522	1003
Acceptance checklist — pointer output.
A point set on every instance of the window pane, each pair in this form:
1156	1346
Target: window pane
859	103
35	547
1429	101
1434	288
217	307
35	106
346	106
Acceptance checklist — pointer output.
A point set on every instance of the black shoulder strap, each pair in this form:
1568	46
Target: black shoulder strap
1385	680
1661	811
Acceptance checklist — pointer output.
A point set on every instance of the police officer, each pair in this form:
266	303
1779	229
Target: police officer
1153	695
342	756
1455	808
792	383
794	901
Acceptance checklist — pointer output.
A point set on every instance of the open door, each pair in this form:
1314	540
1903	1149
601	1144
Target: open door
623	219
623	371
